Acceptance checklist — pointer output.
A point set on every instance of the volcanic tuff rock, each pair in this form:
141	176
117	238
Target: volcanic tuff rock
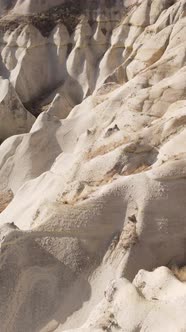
93	156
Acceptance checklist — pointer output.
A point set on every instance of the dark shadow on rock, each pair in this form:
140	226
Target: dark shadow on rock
33	284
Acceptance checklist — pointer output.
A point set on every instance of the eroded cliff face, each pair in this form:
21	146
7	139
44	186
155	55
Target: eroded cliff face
92	120
27	6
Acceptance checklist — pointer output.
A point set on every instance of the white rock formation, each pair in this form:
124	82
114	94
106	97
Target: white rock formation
27	6
14	118
148	304
99	180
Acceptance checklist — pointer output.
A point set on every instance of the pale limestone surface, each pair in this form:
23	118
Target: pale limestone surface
99	180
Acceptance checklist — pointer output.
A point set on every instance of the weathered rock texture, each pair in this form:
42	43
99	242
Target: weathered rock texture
95	99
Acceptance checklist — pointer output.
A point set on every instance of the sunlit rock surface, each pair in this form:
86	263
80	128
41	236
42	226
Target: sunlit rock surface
93	166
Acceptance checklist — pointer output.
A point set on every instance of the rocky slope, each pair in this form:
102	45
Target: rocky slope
93	153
